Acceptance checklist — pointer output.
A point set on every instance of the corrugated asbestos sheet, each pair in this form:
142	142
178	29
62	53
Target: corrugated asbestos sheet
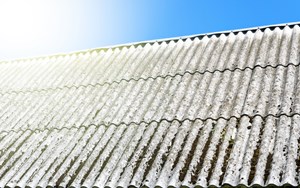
212	110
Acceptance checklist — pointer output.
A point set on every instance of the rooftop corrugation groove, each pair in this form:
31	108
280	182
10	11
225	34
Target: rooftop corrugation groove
209	110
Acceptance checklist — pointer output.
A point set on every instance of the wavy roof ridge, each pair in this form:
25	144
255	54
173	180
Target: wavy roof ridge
143	43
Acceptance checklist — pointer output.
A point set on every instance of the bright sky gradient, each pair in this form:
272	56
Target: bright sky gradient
42	27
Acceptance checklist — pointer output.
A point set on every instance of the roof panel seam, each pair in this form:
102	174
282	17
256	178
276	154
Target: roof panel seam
154	78
158	122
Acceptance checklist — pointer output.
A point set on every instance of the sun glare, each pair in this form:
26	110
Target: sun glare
20	23
30	27
43	27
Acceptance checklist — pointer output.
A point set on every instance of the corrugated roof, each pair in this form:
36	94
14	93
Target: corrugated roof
208	110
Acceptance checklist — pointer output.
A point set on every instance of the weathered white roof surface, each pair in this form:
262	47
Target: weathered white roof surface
218	109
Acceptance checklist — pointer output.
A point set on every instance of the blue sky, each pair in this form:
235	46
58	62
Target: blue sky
35	27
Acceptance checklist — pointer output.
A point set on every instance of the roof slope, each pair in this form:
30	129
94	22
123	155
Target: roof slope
219	109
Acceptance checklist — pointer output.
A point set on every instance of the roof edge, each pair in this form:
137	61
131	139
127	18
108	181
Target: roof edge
153	41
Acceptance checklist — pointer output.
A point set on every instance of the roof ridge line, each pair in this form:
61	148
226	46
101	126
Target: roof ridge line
143	42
